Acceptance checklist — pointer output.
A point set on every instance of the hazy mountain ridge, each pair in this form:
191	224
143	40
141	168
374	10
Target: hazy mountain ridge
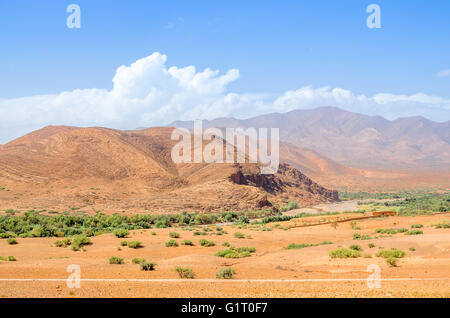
369	142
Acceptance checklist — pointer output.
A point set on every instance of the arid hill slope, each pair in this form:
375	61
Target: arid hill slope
93	169
334	175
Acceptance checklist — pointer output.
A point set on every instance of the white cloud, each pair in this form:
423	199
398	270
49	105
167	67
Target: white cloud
149	93
387	105
443	73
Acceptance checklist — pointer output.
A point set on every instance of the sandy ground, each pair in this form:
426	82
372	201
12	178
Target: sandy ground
272	271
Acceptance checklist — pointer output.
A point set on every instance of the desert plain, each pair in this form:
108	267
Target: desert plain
40	269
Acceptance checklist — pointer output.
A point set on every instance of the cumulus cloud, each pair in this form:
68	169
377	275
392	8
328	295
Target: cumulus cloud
387	105
149	93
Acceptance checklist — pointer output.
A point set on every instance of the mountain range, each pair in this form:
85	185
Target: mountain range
101	169
359	141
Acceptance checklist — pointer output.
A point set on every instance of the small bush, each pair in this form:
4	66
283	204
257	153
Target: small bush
171	243
11	259
206	243
134	244
121	233
239	235
147	266
355	247
391	231
116	260
63	243
371	245
226	244
412	249
441	225
414	232
80	241
11	241
185	272
174	235
233	252
344	253
386	231
294	246
226	273
187	242
138	260
123	243
416	226
358	236
392	261
391	253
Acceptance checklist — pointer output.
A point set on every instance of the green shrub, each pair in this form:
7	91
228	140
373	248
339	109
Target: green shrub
225	273
11	259
371	245
63	243
355	248
206	243
11	241
392	261
116	260
174	234
358	236
239	235
412	249
416	226
138	260
233	252
134	244
386	231
226	244
80	241
391	253
171	243
123	243
7	235
441	225
290	206
414	232
294	246
147	266
185	272
121	233
344	253
187	242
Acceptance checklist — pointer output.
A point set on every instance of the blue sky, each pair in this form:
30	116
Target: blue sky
277	46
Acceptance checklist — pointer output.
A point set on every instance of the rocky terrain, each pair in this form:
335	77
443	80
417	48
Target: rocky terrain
100	169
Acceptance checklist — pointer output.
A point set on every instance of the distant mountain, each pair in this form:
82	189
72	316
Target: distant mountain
360	141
